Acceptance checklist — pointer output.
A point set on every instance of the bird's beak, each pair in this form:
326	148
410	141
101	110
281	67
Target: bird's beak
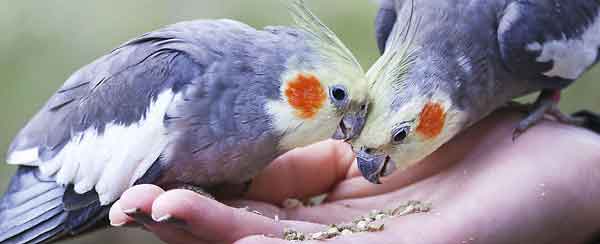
351	125
372	167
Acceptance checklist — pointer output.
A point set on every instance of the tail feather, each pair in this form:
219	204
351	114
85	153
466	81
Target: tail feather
32	210
40	232
29	193
20	215
30	224
35	209
48	236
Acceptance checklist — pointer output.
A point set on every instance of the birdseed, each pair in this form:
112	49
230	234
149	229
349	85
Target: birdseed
368	223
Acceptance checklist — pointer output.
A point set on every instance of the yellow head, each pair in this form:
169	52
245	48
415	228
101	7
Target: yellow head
324	100
407	120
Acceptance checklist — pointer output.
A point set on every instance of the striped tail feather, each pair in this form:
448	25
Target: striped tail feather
31	211
35	209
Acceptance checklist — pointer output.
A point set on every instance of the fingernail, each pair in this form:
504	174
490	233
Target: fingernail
127	224
169	219
131	211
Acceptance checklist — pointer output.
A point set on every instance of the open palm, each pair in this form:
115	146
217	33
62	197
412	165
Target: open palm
484	188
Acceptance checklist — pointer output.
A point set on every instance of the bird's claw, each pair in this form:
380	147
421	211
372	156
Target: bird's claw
142	218
518	132
139	216
535	116
547	103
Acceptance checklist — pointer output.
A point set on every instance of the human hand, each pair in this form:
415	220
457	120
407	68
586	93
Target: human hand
484	188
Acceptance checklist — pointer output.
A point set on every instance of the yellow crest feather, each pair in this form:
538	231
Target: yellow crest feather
393	66
327	39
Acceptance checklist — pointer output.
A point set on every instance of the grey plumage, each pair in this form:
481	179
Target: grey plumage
455	34
471	57
215	131
32	209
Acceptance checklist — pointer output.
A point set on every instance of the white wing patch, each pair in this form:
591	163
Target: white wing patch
571	57
27	157
110	162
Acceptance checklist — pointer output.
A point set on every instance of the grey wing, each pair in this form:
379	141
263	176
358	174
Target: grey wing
553	41
105	127
103	131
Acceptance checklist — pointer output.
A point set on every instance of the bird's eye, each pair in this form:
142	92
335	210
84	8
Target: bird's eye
400	134
363	107
338	93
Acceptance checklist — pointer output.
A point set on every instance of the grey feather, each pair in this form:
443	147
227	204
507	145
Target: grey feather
465	51
223	73
24	216
542	21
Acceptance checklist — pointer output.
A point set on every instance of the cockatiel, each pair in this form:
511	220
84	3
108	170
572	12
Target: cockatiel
205	103
463	59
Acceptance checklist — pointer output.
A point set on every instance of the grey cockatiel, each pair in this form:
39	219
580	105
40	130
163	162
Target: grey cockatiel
205	103
461	60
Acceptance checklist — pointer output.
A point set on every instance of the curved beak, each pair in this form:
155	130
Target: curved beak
373	167
351	125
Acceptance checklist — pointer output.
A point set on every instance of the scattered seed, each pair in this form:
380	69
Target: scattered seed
362	226
369	223
404	211
319	236
333	231
374	227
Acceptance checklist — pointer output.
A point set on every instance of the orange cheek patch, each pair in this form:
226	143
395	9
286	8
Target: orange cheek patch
305	94
432	119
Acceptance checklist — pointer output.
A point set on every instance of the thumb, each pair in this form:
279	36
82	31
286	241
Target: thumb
303	172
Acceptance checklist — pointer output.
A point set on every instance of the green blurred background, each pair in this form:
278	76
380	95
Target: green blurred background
43	42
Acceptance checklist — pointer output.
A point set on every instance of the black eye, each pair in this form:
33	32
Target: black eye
338	93
400	134
363	107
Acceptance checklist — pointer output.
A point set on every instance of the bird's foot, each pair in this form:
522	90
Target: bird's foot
546	104
143	219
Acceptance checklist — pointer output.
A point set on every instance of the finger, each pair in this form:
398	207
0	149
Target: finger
303	172
353	238
138	197
118	218
141	198
297	218
175	235
212	221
